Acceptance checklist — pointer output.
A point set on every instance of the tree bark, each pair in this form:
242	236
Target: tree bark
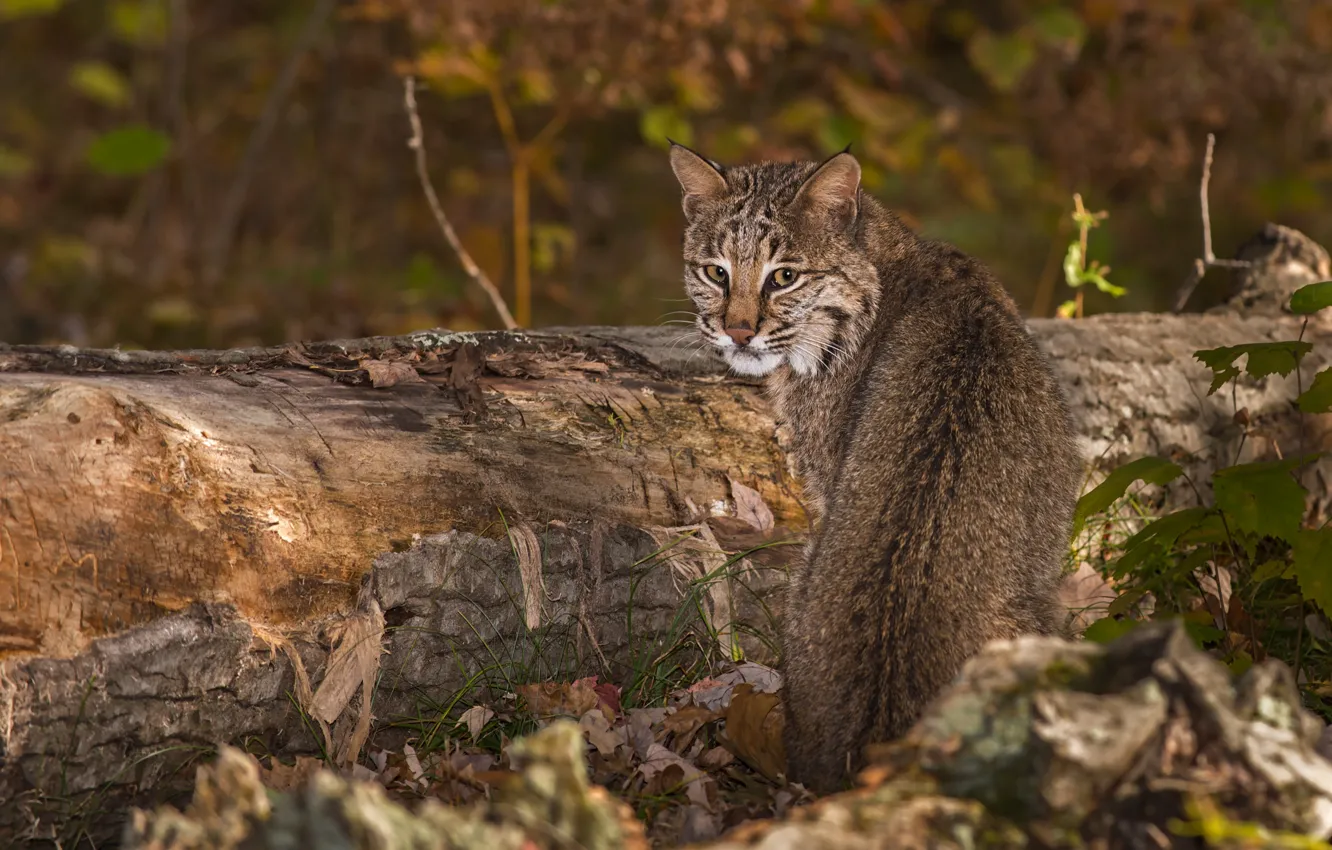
185	536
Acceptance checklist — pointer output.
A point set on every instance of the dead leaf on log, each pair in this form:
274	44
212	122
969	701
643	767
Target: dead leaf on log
750	507
527	549
753	731
353	661
385	373
468	364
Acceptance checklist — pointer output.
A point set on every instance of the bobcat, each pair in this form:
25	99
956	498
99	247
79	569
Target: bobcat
931	439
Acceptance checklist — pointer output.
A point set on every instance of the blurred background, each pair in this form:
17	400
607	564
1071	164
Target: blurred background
188	173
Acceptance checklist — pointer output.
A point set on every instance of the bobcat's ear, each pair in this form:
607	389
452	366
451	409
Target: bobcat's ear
700	179
833	190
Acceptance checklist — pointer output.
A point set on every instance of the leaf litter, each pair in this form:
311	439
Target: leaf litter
708	760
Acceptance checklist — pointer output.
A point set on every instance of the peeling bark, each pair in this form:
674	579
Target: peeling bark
177	528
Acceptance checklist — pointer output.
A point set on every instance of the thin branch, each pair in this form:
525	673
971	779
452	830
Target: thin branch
417	144
1208	260
233	203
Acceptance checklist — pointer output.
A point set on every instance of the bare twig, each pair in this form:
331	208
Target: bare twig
218	248
417	144
1208	260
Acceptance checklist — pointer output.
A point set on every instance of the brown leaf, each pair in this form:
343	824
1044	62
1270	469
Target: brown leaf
685	722
664	772
715	758
385	373
753	731
354	661
601	734
559	699
475	719
750	507
289	777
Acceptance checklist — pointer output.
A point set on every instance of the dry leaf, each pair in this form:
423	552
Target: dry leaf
353	661
715	758
528	551
560	699
388	373
283	777
750	507
685	722
1217	596
641	723
1086	594
753	731
601	734
664	771
475	719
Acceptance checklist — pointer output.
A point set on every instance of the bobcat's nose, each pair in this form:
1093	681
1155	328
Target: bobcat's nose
741	333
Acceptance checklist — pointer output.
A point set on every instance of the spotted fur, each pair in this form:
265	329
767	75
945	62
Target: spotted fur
927	428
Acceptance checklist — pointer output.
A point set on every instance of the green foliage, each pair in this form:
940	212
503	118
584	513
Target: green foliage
127	151
1262	498
1152	470
13	163
1262	359
11	9
100	82
1245	571
1001	59
1077	270
1318	398
659	124
1311	298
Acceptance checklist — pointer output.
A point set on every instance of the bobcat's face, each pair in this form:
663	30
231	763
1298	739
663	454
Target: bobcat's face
771	261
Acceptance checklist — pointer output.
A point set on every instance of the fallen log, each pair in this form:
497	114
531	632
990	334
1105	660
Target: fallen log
188	538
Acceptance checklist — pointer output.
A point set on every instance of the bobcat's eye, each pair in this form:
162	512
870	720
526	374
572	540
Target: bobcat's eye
716	274
782	277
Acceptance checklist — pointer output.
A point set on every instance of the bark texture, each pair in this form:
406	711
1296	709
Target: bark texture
190	541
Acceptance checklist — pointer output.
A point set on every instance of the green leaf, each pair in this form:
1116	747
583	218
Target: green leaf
660	122
1264	358
1267	571
1153	470
1106	286
1318	398
1263	498
13	163
1001	59
11	9
1312	566
1124	603
1059	27
129	150
1157	536
1311	298
140	22
100	82
1067	309
1073	264
1107	629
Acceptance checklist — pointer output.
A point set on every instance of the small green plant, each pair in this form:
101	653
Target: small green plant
1249	572
1078	271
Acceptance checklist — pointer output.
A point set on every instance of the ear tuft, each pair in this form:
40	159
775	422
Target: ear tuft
833	190
699	179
